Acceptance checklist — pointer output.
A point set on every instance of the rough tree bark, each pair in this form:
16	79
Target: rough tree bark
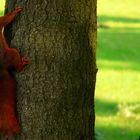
55	97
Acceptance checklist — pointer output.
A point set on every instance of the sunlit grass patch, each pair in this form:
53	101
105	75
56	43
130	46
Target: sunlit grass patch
130	111
2	3
118	8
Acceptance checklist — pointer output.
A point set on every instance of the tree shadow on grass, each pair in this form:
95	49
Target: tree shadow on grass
104	108
119	45
103	18
117	133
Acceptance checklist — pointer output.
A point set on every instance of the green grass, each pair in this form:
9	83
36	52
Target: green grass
2	3
117	88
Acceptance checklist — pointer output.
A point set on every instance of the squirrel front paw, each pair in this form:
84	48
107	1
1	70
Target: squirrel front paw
18	9
25	61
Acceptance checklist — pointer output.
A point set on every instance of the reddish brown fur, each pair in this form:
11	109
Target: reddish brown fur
10	60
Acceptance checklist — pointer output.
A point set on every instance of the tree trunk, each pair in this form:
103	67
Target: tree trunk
55	92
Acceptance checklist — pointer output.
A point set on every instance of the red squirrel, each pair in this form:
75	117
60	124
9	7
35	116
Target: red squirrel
10	61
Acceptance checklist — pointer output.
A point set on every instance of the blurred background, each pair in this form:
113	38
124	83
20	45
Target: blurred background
118	79
118	59
2	5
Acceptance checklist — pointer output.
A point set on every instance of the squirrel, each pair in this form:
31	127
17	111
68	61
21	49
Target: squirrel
10	61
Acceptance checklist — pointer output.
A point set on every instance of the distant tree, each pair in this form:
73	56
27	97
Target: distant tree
55	98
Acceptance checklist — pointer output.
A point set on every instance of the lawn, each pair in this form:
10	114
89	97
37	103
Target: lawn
118	59
2	6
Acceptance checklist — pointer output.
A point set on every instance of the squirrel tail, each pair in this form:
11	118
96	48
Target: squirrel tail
8	121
